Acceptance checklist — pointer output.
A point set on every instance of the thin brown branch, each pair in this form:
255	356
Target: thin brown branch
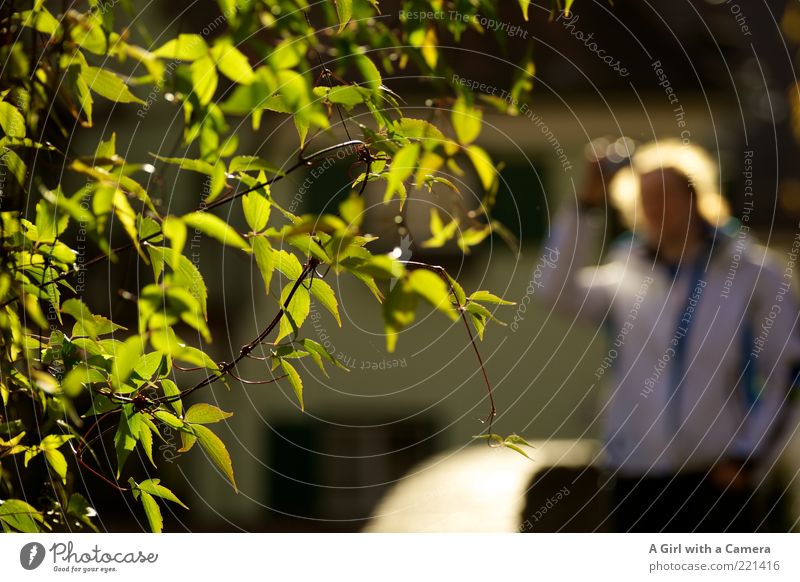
442	272
225	368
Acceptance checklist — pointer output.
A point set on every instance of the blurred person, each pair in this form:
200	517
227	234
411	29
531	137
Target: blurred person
703	346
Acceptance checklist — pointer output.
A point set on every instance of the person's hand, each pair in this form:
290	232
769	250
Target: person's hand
730	474
593	189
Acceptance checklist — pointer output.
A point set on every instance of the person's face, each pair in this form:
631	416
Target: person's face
667	205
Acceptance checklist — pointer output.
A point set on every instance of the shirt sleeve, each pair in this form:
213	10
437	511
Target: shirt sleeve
565	279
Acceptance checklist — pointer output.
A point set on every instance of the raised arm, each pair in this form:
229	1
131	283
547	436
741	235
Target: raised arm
563	276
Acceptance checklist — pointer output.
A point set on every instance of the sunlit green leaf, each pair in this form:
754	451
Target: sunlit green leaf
295	381
20	516
344	9
296	313
216	451
486	170
398	311
323	293
433	289
466	121
205	414
265	259
126	436
402	167
486	297
232	63
187	47
108	85
525	5
204	79
11	120
154	487
213	226
152	511
256	209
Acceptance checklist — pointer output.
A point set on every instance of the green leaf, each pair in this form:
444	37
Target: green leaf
186	275
256	209
11	120
168	418
348	96
344	10
466	121
382	266
232	63
126	355
352	210
372	77
187	441
175	230
440	234
19	515
433	289
40	19
265	259
425	38
168	343
318	353
205	414
126	436
472	236
78	507
486	170
296	313
152	511
127	217
204	79
513	442
486	297
154	487
57	462
288	264
187	47
422	130
213	226
525	5
216	450
15	164
170	390
86	322
146	439
200	166
402	167
323	293
295	381
253	164
398	312
108	85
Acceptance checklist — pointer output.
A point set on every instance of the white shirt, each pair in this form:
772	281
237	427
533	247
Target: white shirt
700	361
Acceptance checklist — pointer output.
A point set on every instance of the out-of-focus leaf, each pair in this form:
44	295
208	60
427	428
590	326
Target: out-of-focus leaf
433	289
187	47
344	9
